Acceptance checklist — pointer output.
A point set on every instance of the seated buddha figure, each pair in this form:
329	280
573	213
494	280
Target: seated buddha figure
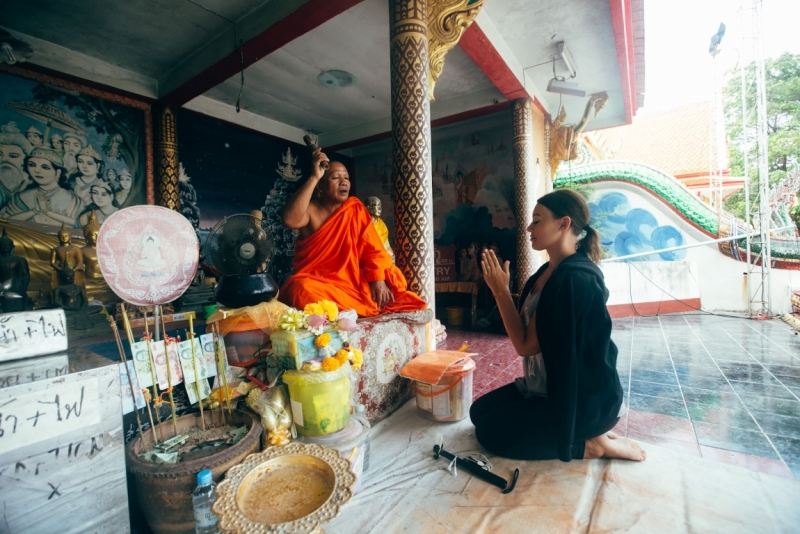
96	286
69	295
375	210
339	255
66	255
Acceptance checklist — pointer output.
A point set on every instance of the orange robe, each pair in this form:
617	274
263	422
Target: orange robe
338	261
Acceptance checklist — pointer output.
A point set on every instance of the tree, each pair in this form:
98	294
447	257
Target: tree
783	125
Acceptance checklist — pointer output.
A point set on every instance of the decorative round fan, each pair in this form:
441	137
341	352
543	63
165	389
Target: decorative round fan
241	249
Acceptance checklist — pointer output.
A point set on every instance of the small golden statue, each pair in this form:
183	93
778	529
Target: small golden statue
564	139
66	255
96	286
374	209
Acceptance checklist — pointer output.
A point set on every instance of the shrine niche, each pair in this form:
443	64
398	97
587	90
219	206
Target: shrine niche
67	149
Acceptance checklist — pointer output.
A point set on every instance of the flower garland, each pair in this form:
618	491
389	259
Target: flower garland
315	317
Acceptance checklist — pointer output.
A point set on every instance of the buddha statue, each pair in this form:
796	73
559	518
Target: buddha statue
66	255
374	209
69	295
96	286
13	269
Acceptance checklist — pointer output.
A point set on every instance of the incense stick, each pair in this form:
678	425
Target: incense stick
114	328
131	340
196	374
169	372
152	369
224	365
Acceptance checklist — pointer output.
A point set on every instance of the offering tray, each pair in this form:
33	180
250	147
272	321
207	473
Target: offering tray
293	488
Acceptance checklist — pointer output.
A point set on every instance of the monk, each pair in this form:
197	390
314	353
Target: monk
338	255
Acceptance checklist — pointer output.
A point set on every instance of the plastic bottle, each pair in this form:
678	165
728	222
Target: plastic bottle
205	522
360	411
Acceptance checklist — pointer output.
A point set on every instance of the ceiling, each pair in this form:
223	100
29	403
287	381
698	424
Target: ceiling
152	47
283	86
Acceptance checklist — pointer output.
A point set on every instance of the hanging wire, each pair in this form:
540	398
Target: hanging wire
237	43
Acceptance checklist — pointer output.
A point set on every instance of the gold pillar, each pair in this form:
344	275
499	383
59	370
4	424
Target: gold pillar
411	146
524	186
167	158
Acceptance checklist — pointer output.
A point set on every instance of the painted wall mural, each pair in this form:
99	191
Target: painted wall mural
628	226
226	169
473	192
66	150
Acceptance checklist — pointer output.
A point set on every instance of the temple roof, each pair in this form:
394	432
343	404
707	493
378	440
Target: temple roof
678	141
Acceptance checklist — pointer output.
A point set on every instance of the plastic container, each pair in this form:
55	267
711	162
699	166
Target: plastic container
455	315
320	400
241	346
353	441
205	522
451	398
360	409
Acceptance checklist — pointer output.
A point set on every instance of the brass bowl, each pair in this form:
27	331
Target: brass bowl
293	488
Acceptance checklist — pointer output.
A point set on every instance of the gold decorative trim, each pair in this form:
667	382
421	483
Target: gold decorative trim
233	521
105	95
447	20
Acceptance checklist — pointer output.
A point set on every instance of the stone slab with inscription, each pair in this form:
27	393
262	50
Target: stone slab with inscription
62	462
26	334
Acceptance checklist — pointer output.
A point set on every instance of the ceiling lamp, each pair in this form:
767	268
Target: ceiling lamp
565	88
336	79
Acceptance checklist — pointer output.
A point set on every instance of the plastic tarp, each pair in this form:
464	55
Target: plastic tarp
406	490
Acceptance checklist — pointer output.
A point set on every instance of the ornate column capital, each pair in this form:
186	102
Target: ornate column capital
447	20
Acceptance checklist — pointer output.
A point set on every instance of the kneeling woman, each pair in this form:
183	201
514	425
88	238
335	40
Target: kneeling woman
570	397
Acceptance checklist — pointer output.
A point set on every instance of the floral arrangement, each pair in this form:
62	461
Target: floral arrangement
315	317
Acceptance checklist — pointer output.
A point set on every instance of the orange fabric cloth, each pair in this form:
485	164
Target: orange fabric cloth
338	261
431	366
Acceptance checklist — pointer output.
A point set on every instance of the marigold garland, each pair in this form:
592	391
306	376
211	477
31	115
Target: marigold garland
315	308
358	359
330	309
322	340
330	364
342	356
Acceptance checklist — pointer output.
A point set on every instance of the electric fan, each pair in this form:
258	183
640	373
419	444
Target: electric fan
241	249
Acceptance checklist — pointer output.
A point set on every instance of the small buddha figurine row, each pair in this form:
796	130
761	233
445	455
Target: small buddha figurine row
81	262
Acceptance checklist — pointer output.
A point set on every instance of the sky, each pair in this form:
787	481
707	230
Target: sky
679	69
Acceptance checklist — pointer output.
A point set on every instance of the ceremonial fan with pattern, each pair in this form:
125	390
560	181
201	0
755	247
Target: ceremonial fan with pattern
241	249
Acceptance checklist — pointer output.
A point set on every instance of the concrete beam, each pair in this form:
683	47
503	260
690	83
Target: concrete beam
484	43
264	30
57	58
226	112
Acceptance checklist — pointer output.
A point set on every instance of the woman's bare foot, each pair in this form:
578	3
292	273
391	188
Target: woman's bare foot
610	445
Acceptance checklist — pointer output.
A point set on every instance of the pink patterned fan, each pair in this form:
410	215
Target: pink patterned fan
148	254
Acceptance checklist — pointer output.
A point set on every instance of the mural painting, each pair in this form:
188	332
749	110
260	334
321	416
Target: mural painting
226	169
627	229
473	194
67	150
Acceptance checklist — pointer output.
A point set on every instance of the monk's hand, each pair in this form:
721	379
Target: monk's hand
497	276
317	157
381	293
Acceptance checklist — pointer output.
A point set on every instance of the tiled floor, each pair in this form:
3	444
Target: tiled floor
726	389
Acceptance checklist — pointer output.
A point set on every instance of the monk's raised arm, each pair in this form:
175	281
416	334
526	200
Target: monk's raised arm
296	214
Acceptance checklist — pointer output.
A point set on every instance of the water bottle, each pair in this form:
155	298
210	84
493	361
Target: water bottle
360	412
205	522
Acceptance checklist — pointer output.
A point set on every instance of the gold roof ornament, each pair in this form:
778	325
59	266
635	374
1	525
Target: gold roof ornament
91	152
447	20
49	154
92	226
